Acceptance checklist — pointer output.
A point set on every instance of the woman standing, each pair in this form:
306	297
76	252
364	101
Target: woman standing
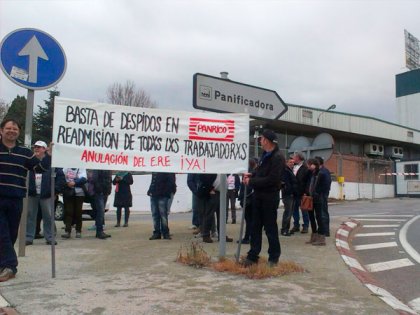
73	197
123	197
315	216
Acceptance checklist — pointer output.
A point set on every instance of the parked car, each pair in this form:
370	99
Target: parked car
86	210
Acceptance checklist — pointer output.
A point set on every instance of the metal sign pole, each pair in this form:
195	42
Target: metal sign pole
53	231
222	216
28	142
238	251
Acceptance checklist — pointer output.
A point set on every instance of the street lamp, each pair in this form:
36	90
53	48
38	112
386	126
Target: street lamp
333	106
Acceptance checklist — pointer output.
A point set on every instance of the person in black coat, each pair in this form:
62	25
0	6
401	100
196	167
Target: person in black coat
160	190
123	197
266	182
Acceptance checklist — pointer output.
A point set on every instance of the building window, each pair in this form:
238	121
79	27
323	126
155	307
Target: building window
410	134
411	168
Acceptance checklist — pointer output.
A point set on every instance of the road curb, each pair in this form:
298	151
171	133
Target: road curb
342	237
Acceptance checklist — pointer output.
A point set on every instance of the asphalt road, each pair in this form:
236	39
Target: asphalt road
388	244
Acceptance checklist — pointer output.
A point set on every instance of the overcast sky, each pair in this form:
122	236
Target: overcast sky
313	53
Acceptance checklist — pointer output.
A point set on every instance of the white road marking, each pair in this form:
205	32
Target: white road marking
405	244
342	244
390	220
3	302
415	304
343	232
374	234
384	215
387	265
351	224
375	245
380	225
389	299
351	262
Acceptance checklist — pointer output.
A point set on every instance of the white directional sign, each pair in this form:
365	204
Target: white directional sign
224	95
32	59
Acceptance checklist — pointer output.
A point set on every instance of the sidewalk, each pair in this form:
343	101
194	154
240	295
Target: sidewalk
128	274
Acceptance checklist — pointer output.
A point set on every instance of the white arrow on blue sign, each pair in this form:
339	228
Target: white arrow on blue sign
32	59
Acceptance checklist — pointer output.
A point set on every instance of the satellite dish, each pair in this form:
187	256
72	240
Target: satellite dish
300	144
322	146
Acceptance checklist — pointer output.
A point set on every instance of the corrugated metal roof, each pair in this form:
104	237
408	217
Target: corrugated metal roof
349	123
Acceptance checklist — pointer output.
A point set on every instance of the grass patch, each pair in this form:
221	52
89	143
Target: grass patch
194	255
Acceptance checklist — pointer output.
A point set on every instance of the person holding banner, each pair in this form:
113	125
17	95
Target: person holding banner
266	182
73	197
160	190
39	196
15	161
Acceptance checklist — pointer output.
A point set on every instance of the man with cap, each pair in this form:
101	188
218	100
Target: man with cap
39	196
15	161
266	182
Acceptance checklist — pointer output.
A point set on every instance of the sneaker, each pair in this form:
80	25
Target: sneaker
50	242
65	235
229	239
125	225
198	235
214	234
27	243
38	236
78	235
207	239
193	227
92	228
287	233
196	231
154	237
117	225
6	274
272	263
167	237
304	230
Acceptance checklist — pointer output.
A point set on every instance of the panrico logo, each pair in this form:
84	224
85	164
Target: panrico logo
211	129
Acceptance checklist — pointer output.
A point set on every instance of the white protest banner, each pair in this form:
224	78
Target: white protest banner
102	136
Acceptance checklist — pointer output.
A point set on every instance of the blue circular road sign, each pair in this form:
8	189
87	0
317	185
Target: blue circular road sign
32	59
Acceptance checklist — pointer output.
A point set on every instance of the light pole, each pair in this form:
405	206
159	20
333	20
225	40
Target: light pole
333	106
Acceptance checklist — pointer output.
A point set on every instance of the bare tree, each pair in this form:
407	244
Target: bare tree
4	107
129	95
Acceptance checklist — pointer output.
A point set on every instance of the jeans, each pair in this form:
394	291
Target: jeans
45	204
99	200
325	215
264	215
159	209
296	215
288	202
10	213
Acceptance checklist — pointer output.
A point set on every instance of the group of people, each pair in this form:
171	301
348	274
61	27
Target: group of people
266	177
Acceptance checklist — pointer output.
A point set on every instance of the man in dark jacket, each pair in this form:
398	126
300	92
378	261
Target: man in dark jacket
161	188
303	176
324	186
39	196
101	180
288	193
266	182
